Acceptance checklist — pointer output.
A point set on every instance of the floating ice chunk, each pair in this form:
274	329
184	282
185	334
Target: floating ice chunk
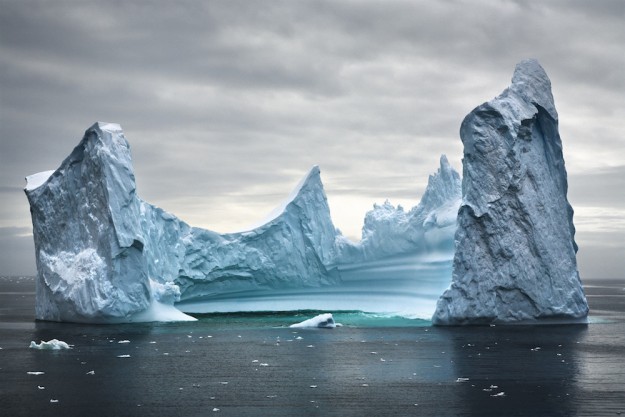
53	344
52	400
35	373
499	394
40	387
462	379
325	321
91	373
123	356
124	341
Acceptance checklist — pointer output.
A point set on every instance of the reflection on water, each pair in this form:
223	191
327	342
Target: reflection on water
537	368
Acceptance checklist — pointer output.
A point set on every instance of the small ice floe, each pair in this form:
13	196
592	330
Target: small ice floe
324	321
536	349
313	386
35	373
90	373
264	364
310	346
124	341
271	396
53	344
40	387
224	382
255	361
123	356
499	394
52	400
462	379
215	409
299	338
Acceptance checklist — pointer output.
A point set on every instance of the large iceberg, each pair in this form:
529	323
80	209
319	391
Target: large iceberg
104	255
515	249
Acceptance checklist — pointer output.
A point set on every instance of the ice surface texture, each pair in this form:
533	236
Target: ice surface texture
515	249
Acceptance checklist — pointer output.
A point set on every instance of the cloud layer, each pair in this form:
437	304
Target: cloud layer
228	103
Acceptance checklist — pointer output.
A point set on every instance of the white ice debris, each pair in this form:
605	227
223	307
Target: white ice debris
53	344
35	373
325	321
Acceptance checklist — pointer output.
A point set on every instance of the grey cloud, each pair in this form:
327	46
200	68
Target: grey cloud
226	101
602	187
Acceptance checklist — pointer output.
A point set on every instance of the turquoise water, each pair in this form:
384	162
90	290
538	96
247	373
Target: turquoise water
258	320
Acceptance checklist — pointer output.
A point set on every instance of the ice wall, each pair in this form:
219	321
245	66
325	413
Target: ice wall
515	248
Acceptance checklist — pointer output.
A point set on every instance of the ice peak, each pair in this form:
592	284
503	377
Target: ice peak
531	82
107	127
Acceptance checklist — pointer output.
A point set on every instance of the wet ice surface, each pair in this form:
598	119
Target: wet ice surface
255	365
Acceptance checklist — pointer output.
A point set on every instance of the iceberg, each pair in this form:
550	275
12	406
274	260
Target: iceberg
106	256
53	344
324	321
515	254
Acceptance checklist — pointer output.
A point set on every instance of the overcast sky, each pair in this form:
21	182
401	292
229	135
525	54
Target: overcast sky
227	104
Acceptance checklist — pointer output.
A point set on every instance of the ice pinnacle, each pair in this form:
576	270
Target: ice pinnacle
515	250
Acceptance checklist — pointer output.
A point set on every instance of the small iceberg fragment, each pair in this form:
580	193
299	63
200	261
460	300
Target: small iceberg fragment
325	321
53	344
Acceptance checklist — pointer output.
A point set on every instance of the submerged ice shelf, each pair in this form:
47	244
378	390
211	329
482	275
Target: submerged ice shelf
105	256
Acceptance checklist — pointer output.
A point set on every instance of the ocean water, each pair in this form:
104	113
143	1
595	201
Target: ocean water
255	365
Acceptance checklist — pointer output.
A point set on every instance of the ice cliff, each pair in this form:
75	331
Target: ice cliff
515	249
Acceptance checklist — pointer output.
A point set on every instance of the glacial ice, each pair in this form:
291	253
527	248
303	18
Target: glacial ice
324	321
53	344
428	227
515	249
106	256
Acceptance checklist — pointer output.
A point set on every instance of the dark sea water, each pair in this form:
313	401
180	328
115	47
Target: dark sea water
254	365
